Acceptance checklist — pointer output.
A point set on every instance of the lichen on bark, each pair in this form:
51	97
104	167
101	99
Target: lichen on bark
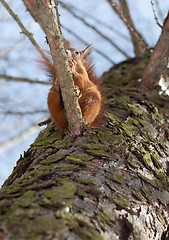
111	183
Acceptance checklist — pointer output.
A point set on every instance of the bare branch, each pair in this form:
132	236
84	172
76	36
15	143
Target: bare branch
17	79
64	74
44	122
137	44
97	21
125	16
86	43
24	30
23	113
158	61
18	138
160	12
155	16
58	15
94	28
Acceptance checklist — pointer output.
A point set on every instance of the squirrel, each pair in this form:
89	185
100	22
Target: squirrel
87	88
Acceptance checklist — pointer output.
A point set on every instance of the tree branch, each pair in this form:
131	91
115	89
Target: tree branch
155	16
24	30
97	20
95	29
23	113
137	40
13	141
33	10
158	61
86	43
64	74
18	79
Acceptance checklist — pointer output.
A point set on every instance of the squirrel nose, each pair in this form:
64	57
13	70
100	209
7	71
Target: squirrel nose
68	52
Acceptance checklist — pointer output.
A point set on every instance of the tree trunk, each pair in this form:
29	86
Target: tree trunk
111	183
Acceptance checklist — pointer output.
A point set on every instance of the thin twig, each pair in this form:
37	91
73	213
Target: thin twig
13	141
160	12
97	21
44	122
86	43
155	16
17	79
58	15
94	28
120	13
24	30
23	113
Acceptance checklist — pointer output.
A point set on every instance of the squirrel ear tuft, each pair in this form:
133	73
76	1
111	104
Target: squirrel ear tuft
87	51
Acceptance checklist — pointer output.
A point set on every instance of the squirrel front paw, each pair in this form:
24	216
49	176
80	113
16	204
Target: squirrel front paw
72	64
77	91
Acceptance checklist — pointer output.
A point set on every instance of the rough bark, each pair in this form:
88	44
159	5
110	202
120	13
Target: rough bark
112	183
158	65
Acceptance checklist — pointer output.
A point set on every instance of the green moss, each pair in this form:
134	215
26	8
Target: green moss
132	161
152	182
44	225
121	200
105	218
139	196
26	199
137	109
11	191
63	194
160	216
40	173
98	152
67	167
83	157
54	158
87	234
147	160
62	144
93	146
128	129
85	230
113	175
81	193
78	159
146	194
113	120
161	175
155	158
105	136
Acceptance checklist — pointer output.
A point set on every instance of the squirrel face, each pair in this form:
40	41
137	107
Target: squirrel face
76	55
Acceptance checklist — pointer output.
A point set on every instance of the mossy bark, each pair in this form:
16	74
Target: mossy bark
111	183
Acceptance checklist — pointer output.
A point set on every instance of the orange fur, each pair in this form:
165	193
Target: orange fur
87	85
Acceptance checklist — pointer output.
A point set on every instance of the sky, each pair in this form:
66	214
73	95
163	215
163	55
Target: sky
17	58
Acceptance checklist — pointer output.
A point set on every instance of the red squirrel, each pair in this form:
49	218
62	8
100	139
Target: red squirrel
87	87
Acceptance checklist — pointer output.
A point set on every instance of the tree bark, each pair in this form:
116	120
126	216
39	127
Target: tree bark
111	183
63	71
157	67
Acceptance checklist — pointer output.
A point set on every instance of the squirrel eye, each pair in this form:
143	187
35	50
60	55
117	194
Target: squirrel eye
77	53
